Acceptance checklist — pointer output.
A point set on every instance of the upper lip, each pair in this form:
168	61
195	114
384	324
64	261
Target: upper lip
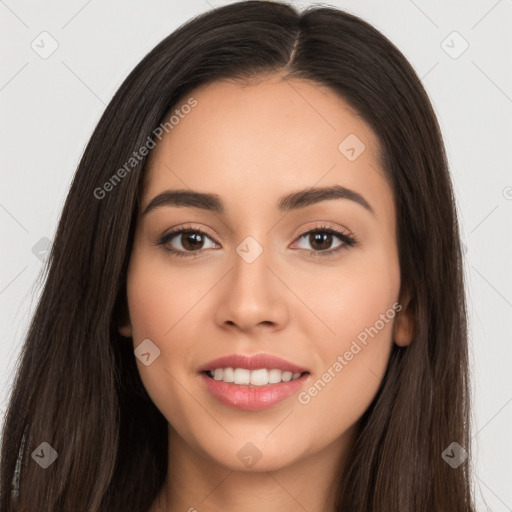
252	362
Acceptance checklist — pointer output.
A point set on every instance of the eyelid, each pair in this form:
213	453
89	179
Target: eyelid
301	231
347	238
188	227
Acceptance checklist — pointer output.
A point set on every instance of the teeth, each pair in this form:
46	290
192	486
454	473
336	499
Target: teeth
274	376
260	377
286	376
228	375
241	376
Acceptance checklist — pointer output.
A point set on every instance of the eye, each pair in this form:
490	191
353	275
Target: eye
321	239
189	240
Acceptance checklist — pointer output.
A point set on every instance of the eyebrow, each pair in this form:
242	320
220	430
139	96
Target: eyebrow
289	202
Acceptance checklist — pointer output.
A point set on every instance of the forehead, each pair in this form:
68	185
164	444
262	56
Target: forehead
245	142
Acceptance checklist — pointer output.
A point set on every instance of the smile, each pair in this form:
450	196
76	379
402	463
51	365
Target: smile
259	377
252	382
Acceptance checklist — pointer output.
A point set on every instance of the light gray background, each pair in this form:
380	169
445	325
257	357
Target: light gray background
50	106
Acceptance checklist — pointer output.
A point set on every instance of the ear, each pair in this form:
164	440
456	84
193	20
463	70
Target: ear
122	315
403	329
125	330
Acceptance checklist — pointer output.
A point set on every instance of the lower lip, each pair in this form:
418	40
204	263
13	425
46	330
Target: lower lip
252	398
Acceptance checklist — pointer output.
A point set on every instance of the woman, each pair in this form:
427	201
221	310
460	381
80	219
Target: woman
255	294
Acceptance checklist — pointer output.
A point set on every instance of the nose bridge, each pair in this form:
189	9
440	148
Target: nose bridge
251	295
250	272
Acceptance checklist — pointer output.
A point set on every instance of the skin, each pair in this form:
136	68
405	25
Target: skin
251	144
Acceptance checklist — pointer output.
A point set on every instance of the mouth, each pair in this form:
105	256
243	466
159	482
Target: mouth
258	377
254	382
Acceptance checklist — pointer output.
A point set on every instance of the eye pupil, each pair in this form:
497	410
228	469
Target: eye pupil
197	240
324	239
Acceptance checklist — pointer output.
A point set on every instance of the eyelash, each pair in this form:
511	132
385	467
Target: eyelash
348	241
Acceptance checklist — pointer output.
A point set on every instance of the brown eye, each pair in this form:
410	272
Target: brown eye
191	240
321	239
185	242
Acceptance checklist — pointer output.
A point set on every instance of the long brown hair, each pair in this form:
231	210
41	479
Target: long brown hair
77	386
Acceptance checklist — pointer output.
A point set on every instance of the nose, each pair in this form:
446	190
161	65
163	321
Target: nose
253	296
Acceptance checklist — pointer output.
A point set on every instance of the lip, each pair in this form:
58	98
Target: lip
253	362
252	398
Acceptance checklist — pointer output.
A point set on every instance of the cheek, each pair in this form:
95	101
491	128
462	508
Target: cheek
349	370
357	306
347	300
158	312
160	300
160	296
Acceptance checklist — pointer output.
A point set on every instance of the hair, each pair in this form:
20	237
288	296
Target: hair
77	386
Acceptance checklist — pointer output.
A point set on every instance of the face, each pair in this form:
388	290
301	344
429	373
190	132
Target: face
307	286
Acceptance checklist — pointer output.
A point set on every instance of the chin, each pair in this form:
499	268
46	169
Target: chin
254	453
